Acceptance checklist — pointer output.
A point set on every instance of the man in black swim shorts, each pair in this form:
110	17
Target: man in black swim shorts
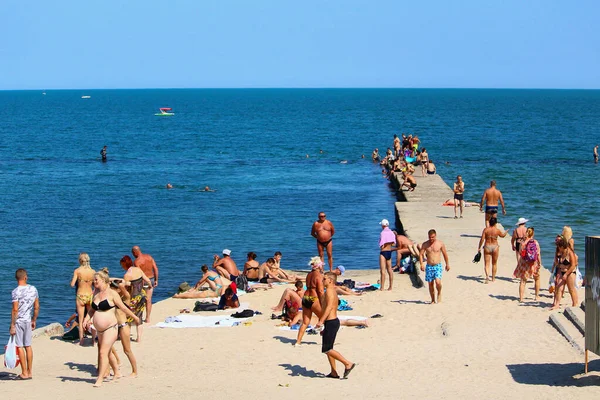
331	323
323	231
459	190
491	197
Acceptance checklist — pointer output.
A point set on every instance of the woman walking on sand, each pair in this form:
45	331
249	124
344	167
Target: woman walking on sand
491	249
82	279
566	266
104	318
518	237
530	262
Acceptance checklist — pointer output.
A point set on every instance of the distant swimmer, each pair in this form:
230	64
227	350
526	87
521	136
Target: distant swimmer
307	156
596	154
103	153
208	189
344	162
169	186
491	197
375	155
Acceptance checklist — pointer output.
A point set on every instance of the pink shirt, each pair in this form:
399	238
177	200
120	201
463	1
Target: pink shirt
387	236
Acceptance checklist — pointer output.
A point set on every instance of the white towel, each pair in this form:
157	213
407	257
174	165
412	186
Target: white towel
200	321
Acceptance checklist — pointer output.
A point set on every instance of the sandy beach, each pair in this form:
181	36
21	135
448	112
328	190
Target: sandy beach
478	343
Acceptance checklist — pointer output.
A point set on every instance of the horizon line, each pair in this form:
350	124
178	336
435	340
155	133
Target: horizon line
300	88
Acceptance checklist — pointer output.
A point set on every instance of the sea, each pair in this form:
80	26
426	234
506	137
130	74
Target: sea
275	159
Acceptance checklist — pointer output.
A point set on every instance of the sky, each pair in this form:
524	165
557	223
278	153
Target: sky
67	44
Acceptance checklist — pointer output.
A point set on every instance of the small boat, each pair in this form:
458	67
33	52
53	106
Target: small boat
164	112
86	97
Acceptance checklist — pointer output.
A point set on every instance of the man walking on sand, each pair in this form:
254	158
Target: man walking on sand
323	231
311	301
459	190
146	263
434	249
491	197
331	322
25	301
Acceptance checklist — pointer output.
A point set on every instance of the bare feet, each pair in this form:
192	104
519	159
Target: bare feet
133	375
277	308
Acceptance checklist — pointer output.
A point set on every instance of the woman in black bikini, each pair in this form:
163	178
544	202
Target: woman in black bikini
251	267
565	262
105	322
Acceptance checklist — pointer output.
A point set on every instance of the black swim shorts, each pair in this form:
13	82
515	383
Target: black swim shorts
331	329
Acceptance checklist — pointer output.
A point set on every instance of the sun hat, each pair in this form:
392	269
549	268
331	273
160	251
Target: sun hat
342	269
521	221
384	222
227	252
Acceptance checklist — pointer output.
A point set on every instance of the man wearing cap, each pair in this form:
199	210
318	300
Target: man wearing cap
387	240
518	237
323	231
491	197
226	266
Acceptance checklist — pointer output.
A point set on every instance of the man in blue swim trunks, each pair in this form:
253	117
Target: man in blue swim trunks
434	249
491	197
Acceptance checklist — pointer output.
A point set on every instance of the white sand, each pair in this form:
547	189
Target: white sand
494	347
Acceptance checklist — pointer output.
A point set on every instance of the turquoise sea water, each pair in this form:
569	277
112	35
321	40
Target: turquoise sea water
57	199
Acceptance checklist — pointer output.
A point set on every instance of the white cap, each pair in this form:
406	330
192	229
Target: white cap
227	252
522	221
384	222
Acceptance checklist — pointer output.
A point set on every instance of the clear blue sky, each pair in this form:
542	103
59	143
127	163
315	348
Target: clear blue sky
280	43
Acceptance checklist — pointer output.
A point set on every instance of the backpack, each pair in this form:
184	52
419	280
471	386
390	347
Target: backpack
243	314
529	252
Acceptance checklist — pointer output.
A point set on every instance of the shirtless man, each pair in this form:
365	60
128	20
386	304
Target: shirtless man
226	266
146	263
434	249
404	247
396	146
596	154
491	196
409	181
268	273
280	272
311	301
323	231
459	190
375	155
330	321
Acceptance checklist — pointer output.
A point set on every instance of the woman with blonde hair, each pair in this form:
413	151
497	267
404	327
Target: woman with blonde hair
529	264
566	266
104	317
567	233
82	279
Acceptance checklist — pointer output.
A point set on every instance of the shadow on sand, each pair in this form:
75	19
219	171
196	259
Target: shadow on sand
555	374
297	370
481	279
89	368
287	340
471	236
411	302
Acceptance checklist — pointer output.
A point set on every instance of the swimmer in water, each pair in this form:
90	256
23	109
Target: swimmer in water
169	186
208	189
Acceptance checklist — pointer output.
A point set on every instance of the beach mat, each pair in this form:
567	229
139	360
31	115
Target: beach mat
201	321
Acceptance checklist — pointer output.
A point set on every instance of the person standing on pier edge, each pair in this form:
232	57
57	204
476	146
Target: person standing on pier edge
596	154
491	197
323	231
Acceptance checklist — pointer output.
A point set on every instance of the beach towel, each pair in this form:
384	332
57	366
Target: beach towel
310	327
200	321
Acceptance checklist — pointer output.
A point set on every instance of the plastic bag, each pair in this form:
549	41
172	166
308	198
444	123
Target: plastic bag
552	282
11	356
578	278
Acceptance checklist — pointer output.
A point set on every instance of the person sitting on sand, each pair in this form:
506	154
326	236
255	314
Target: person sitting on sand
405	247
409	181
251	267
228	300
529	265
268	273
225	266
280	272
215	282
292	300
491	249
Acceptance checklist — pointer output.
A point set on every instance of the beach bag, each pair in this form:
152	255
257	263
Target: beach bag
243	314
578	278
477	257
199	306
184	287
529	252
11	357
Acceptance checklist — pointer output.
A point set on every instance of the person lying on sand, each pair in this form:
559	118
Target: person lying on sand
198	292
